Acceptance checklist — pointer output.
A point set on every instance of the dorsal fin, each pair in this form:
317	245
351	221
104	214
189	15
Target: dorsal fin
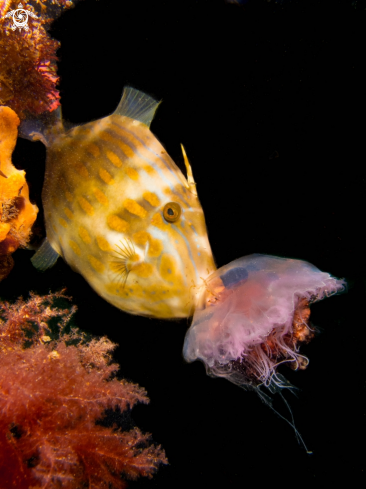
137	105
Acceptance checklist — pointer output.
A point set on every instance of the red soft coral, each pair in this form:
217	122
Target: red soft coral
51	395
28	68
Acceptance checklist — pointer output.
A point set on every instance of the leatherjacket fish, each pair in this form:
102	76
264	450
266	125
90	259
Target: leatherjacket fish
120	212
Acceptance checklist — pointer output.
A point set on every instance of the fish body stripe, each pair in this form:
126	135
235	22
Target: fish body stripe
134	134
188	248
137	153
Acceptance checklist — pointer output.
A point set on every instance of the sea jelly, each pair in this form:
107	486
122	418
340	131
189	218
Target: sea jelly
252	315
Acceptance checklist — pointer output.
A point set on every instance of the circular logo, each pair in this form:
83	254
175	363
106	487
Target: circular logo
20	18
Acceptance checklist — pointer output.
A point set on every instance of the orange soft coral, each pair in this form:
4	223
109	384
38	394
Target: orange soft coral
28	59
53	395
17	214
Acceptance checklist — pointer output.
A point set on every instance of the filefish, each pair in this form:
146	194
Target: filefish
120	212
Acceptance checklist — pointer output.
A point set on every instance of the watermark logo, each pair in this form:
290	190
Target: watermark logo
20	18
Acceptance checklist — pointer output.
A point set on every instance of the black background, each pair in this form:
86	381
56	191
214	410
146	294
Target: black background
268	99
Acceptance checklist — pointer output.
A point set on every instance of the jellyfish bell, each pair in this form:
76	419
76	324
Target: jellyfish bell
252	315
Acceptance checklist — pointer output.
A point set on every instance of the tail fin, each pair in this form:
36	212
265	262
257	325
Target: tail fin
43	128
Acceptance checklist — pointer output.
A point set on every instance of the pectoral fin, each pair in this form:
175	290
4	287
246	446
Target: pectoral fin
45	257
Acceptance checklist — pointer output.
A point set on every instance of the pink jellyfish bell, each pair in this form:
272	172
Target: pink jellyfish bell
252	315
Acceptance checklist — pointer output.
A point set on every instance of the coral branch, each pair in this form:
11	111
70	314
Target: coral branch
51	396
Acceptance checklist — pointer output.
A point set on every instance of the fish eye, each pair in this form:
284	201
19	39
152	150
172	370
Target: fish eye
172	211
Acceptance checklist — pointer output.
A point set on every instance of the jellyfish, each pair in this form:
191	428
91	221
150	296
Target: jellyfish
252	315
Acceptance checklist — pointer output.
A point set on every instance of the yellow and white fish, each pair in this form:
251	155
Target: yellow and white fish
121	213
